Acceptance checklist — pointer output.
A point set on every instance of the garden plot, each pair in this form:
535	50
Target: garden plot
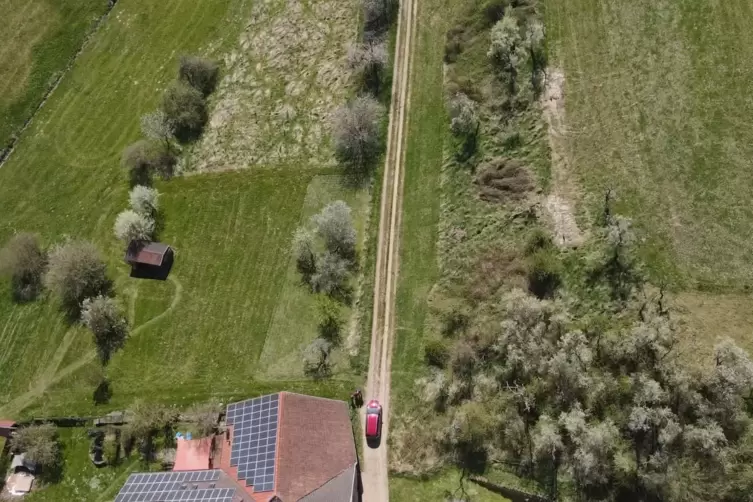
280	86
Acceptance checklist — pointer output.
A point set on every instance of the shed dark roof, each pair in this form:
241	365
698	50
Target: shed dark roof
152	253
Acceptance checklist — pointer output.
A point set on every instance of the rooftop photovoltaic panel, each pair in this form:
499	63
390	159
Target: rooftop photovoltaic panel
173	486
254	424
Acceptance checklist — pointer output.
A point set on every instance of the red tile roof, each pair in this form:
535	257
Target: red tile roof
150	254
193	454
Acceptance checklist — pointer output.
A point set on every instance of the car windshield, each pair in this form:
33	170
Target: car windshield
372	410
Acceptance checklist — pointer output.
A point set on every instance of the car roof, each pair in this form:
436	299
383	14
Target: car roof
371	424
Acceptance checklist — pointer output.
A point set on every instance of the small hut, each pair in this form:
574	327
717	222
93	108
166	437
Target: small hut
152	259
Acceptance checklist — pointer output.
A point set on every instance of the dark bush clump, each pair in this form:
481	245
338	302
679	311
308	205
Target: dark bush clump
436	353
544	273
186	108
199	73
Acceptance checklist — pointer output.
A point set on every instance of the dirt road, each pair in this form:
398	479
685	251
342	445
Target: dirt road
376	470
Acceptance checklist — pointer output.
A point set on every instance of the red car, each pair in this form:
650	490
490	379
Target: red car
373	420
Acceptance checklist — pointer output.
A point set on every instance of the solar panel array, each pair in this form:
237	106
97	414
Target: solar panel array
173	487
254	447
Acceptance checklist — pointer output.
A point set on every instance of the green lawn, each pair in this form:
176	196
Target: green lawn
40	38
201	332
81	479
657	106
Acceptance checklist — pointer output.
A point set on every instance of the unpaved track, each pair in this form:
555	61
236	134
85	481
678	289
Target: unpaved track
376	469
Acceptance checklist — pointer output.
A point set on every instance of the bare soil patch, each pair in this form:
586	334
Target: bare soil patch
559	203
280	86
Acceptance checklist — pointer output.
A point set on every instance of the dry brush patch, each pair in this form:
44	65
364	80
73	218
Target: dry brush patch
281	85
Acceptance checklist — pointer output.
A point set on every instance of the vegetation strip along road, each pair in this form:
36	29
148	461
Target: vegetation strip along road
375	477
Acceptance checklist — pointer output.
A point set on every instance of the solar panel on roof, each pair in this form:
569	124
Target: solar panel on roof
254	447
173	486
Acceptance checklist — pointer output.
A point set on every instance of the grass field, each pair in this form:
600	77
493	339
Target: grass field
81	479
201	332
40	38
657	107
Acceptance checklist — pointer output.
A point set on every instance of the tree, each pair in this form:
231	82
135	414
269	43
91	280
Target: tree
145	421
199	73
331	274
378	14
39	443
24	261
330	319
463	115
185	107
534	42
357	135
305	258
131	226
143	159
76	272
335	226
144	200
507	48
206	417
104	318
158	127
316	358
368	61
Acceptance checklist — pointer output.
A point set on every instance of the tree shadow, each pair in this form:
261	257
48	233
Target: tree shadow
154	273
103	393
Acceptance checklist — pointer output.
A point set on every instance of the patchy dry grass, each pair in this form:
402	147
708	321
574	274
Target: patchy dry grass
282	82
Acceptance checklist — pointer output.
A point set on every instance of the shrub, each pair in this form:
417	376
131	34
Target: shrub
335	226
463	115
205	417
106	321
24	261
368	61
378	14
331	274
544	272
316	359
142	159
199	73
131	226
158	127
357	135
507	48
436	353
144	200
330	319
186	108
76	272
39	443
538	239
305	259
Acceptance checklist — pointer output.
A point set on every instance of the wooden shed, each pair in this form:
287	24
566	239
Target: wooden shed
152	254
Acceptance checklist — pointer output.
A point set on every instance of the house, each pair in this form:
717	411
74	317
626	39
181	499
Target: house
152	254
281	447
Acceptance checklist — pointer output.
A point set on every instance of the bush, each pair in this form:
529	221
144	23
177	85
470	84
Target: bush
335	226
186	108
544	272
538	239
158	127
144	200
356	128
131	226
143	159
106	321
305	259
378	14
331	274
330	319
76	272
463	115
436	353
39	443
199	73
24	261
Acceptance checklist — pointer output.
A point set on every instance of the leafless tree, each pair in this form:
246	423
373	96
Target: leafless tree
24	261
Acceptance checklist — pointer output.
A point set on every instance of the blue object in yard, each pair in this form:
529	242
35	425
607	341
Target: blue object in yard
178	435
188	436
